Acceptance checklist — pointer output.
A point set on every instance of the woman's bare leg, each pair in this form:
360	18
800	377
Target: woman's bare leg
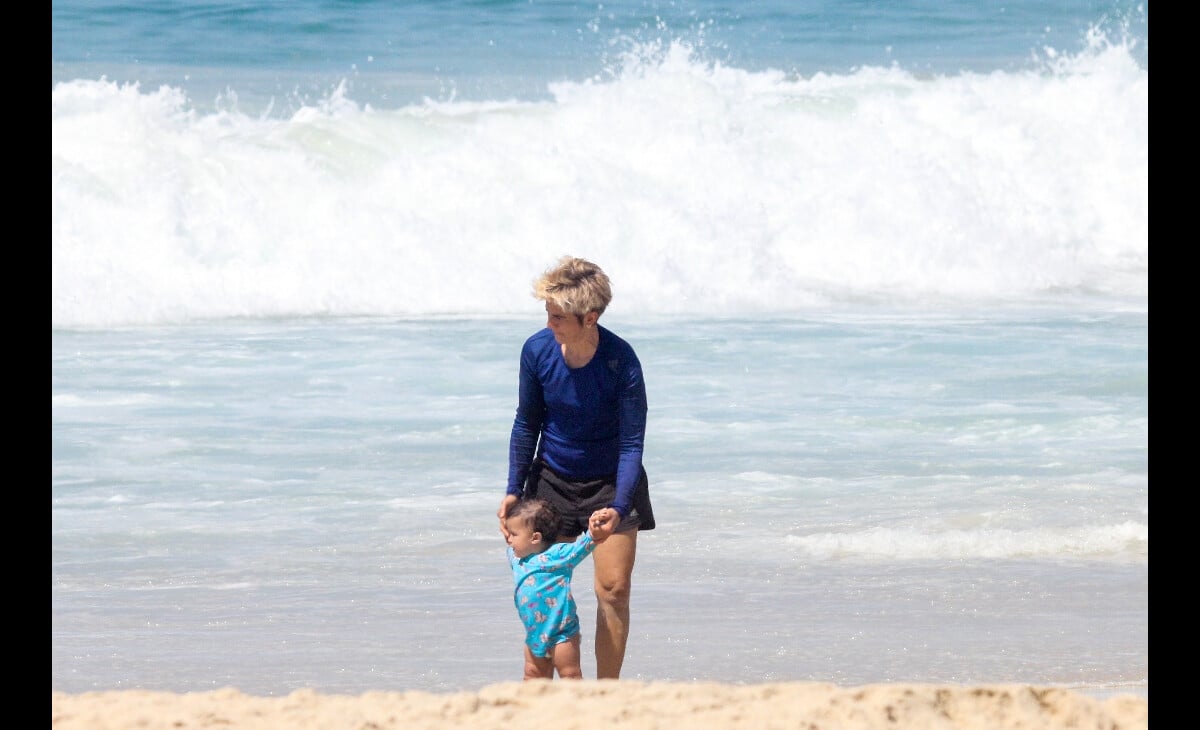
613	561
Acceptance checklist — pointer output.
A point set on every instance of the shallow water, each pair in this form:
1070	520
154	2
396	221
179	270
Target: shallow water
310	503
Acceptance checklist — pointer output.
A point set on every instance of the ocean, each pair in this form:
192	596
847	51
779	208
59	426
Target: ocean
885	265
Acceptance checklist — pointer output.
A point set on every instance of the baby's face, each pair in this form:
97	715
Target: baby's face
521	537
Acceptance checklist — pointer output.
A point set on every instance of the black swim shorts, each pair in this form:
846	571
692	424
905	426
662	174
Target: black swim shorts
577	500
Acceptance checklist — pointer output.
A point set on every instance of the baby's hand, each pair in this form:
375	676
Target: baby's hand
602	523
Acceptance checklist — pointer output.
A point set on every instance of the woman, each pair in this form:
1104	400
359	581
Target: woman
577	439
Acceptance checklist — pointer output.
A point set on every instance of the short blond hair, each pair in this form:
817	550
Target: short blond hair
576	285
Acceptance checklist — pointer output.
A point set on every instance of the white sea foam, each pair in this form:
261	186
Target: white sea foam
1128	540
699	187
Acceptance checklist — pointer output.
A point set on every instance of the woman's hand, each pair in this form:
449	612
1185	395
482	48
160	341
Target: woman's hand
505	505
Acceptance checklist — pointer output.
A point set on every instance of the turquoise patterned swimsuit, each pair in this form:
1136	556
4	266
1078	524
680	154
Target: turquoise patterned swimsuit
543	593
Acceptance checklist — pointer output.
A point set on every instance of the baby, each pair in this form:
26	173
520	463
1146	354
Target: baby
542	570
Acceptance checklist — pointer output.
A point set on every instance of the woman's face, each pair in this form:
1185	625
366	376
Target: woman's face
566	327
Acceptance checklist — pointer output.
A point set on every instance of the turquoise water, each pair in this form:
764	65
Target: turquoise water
395	53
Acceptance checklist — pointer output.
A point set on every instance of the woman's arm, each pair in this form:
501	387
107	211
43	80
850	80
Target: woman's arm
527	423
633	409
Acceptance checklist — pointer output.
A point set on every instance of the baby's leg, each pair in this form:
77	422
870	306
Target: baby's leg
540	667
566	658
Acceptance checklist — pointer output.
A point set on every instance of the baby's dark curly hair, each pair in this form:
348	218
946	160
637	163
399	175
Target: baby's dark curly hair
541	516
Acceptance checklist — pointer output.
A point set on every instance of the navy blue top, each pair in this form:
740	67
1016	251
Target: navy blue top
592	420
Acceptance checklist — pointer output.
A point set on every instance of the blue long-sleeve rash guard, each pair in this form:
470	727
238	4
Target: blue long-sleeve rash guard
592	420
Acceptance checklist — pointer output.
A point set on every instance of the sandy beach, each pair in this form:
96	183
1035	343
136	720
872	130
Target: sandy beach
592	705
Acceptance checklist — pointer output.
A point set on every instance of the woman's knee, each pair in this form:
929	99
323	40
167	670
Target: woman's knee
613	590
614	561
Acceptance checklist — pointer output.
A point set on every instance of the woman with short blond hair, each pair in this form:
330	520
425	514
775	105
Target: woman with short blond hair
578	435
